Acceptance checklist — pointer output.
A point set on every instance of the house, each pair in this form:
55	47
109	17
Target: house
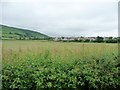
92	38
57	38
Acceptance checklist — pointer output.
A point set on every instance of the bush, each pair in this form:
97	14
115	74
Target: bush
42	72
111	41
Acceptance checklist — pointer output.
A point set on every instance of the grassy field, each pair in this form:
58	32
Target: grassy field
19	33
36	65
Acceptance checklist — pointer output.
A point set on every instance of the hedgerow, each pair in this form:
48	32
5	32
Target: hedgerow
43	72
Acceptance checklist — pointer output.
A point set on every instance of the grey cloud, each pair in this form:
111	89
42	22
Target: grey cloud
63	17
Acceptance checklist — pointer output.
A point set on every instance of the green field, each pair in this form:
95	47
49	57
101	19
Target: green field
39	65
19	33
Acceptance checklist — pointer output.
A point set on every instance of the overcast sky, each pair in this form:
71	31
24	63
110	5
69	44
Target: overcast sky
63	17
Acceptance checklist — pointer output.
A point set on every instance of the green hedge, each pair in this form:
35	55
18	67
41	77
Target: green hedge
36	73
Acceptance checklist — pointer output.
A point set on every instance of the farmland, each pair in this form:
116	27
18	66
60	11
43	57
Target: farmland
20	33
36	65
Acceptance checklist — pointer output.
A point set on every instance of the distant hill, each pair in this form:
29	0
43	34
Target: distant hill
18	33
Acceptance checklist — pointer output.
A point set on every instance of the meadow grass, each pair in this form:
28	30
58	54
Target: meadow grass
47	64
57	49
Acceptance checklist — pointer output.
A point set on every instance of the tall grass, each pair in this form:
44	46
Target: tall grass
36	65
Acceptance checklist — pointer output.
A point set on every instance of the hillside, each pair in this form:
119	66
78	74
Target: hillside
18	33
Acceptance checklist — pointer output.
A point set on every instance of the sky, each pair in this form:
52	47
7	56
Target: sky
62	17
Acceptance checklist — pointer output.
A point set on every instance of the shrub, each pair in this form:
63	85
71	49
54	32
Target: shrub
43	72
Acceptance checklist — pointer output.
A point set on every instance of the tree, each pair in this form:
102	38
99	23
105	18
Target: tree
62	37
110	37
99	39
87	40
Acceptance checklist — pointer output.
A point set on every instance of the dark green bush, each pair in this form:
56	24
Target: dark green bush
37	73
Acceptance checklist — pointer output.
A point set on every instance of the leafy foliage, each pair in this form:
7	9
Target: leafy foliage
43	65
40	72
